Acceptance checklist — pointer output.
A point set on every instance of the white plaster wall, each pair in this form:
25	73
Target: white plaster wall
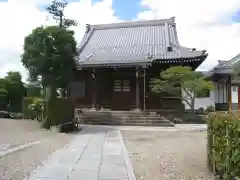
202	102
234	94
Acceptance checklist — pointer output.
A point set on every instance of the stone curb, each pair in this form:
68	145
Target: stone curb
128	164
50	159
21	147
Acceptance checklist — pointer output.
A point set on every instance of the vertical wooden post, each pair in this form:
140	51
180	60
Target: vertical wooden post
238	97
229	96
144	89
94	89
137	90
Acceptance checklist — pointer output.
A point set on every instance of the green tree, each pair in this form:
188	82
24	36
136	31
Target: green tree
236	69
15	91
50	53
182	83
3	94
56	9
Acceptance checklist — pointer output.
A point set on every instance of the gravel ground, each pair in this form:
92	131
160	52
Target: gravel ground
17	132
168	155
20	164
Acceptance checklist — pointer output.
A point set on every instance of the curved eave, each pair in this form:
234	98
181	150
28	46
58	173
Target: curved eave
140	64
197	59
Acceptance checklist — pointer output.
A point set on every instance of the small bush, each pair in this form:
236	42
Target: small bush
192	118
4	114
14	115
209	109
59	111
200	111
37	109
27	110
224	144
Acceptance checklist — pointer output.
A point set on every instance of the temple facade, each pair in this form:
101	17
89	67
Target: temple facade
117	61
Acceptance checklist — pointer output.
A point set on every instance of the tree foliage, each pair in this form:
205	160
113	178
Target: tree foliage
3	94
56	9
12	92
15	90
49	55
49	52
177	79
236	69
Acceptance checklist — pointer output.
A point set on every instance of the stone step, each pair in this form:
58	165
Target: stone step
124	121
122	118
128	122
128	118
165	124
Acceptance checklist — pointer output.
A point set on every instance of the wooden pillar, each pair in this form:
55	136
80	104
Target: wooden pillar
137	90
94	89
229	96
144	89
238	97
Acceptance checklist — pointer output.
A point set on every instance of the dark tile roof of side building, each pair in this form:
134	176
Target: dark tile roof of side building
133	42
225	67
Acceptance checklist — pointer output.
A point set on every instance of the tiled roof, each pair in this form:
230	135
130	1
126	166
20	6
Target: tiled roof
231	62
133	43
225	67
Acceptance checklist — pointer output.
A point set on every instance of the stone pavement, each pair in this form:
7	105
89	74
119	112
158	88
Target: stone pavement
96	153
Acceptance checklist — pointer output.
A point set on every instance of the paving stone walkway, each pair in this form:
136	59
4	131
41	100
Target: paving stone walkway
96	153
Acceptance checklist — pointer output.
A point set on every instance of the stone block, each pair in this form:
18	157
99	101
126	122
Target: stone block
113	172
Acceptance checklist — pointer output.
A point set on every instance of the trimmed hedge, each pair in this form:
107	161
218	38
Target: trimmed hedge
59	111
193	118
224	144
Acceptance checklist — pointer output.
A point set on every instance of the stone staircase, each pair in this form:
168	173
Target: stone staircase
126	118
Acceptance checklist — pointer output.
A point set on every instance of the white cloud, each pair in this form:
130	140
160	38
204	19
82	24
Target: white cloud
19	18
201	24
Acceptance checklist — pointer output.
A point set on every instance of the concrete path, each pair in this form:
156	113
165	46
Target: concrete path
96	153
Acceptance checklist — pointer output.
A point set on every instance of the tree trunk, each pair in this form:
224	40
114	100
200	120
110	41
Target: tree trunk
193	105
61	19
50	96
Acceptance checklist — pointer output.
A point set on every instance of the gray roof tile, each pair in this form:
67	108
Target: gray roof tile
225	67
132	42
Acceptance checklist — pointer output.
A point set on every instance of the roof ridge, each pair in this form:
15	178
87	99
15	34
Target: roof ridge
233	60
127	24
84	40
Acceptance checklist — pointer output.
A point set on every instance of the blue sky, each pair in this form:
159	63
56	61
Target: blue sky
127	9
236	16
197	26
124	9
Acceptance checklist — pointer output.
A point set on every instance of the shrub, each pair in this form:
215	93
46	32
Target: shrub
28	107
200	111
14	115
37	109
224	144
59	111
192	118
209	109
4	114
